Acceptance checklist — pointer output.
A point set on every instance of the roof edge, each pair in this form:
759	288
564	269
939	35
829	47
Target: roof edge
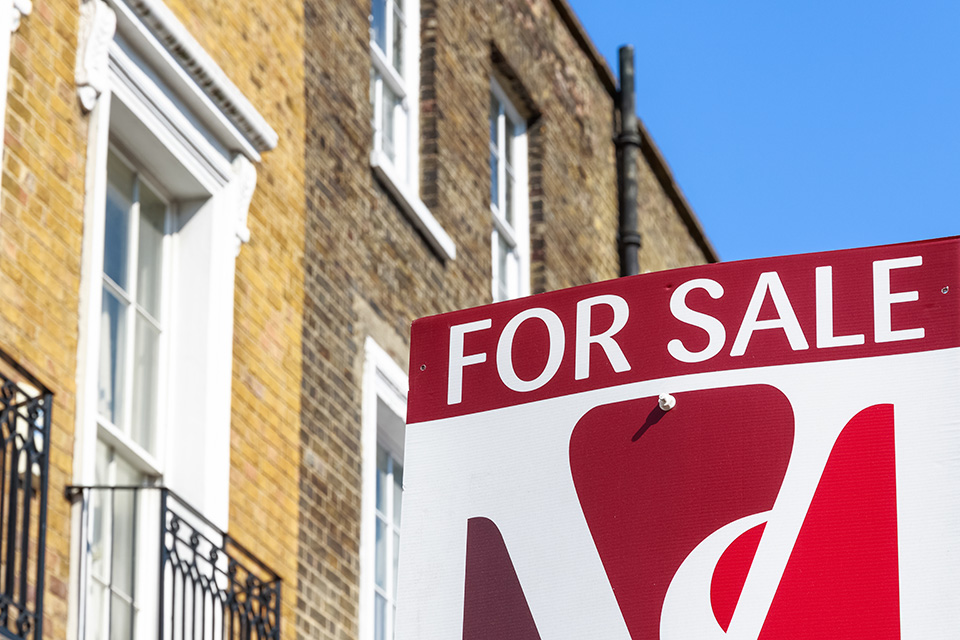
579	34
651	152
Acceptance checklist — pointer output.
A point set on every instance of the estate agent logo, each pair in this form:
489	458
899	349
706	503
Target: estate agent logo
802	484
679	507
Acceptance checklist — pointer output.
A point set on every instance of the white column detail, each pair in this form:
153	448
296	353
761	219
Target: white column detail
246	183
98	23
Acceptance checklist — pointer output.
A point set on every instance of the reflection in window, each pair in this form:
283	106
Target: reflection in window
131	325
508	204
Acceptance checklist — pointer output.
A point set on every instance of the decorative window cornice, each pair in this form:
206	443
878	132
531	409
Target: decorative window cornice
246	176
98	23
155	22
162	24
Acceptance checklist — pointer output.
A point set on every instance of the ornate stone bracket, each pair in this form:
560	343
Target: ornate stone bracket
246	182
98	23
20	8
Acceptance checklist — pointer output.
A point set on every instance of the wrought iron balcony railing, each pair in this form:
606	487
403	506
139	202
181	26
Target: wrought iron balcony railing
25	407
152	566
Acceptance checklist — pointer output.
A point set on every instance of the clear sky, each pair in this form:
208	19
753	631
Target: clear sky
799	125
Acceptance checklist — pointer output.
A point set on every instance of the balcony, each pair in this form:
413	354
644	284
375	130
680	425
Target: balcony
25	406
154	567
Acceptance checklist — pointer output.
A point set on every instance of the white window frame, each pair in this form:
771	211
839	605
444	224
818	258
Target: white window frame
383	380
149	464
516	235
402	177
151	90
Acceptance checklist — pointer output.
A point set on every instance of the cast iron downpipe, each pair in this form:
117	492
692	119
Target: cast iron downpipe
628	144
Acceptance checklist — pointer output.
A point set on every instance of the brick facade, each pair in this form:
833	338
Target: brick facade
41	257
370	273
332	259
41	231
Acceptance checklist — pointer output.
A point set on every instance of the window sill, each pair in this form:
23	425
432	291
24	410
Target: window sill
414	208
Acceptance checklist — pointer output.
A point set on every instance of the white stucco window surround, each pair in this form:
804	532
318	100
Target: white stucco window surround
394	97
160	103
509	198
382	443
172	152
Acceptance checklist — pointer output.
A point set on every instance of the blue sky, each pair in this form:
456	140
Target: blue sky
799	126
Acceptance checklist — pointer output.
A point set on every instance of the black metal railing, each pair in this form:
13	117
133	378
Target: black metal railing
152	564
25	407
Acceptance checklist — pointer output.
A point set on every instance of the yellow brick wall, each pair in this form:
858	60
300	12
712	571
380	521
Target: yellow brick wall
260	47
41	230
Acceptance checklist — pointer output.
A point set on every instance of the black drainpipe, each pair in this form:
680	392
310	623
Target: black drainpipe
628	144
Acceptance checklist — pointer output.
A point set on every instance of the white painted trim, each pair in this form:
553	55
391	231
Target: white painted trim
164	118
200	327
20	8
401	178
383	379
90	302
201	149
518	234
194	69
508	107
416	211
98	23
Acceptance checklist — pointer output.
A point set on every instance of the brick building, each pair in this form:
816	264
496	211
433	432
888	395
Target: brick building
219	218
457	153
150	274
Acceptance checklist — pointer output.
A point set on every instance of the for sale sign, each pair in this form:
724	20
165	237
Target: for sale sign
763	450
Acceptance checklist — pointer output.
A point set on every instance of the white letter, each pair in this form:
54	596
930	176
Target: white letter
683	313
786	319
825	337
883	300
610	347
505	350
458	361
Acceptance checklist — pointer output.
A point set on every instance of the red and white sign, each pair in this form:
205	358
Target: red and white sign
757	450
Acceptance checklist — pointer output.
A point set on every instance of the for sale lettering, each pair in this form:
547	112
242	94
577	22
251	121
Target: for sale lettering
622	344
770	285
585	337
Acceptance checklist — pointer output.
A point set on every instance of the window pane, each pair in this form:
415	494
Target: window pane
390	103
381	560
99	518
508	200
121	620
398	29
494	182
146	375
396	561
503	277
120	181
378	23
96	610
508	142
150	257
382	479
380	617
124	530
494	118
397	492
112	339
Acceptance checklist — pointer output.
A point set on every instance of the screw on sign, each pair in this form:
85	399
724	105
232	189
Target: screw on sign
732	451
